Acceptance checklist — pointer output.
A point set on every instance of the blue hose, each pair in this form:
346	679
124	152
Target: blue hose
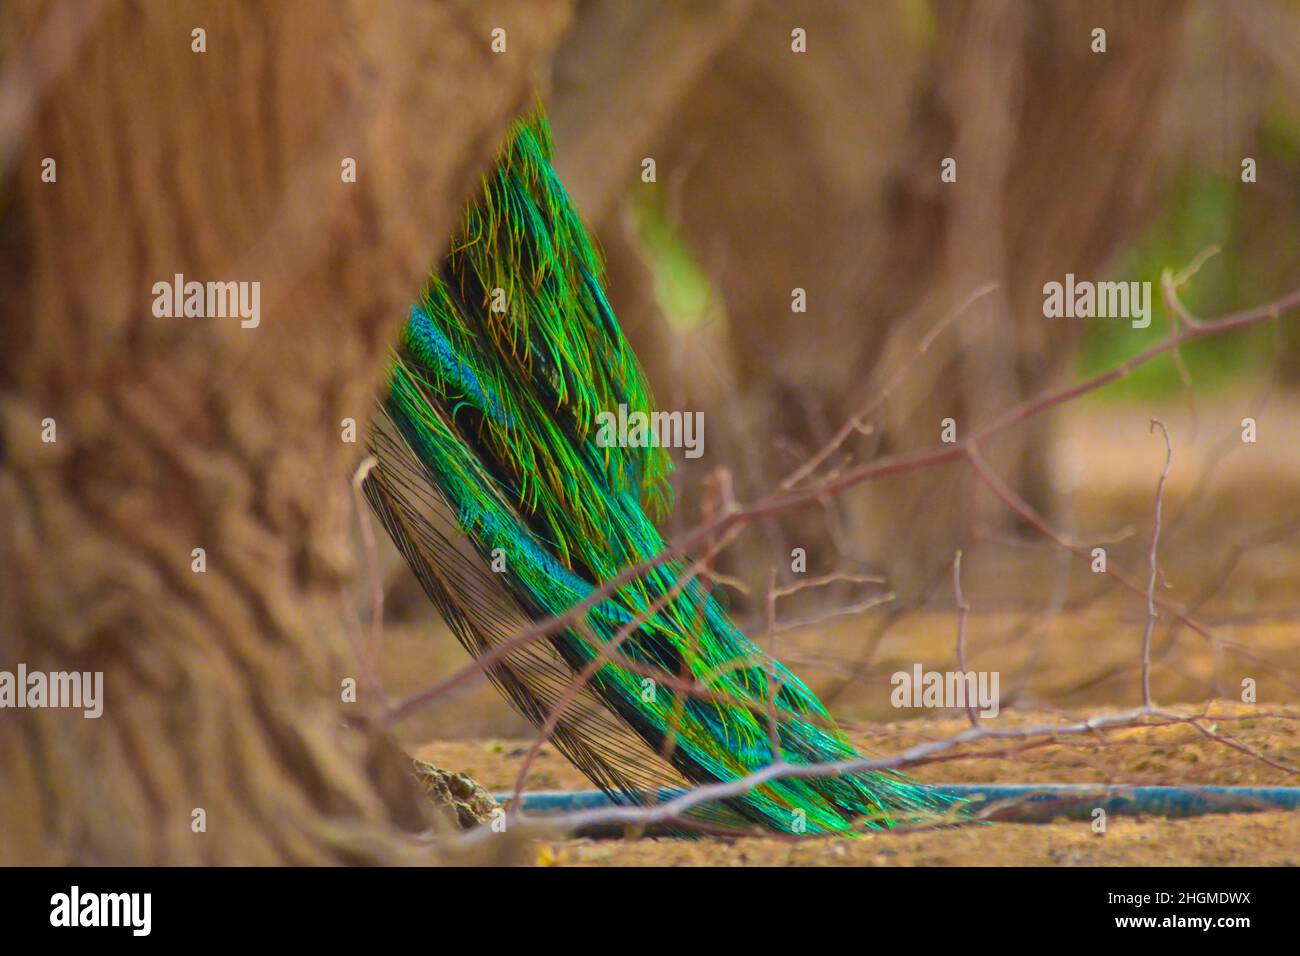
1022	802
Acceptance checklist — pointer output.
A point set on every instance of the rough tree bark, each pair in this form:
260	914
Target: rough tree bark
222	688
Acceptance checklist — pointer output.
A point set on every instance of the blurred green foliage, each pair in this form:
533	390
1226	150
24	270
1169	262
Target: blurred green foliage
1202	210
683	290
1257	229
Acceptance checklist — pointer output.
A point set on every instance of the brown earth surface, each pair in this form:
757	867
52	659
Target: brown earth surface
1177	753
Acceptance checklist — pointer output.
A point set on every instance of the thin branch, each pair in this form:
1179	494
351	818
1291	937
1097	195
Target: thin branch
963	610
857	423
1151	562
373	573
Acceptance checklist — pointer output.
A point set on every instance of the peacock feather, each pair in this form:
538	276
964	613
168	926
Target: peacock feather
493	486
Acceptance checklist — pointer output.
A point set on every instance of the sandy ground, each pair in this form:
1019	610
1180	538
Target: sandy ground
1155	755
1266	839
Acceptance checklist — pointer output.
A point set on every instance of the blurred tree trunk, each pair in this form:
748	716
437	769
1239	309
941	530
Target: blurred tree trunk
1058	164
821	171
222	689
619	77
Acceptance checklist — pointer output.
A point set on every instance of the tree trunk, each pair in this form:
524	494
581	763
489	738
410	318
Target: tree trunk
822	172
222	687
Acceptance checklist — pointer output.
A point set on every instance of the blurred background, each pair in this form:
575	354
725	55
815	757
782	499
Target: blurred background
795	259
777	170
